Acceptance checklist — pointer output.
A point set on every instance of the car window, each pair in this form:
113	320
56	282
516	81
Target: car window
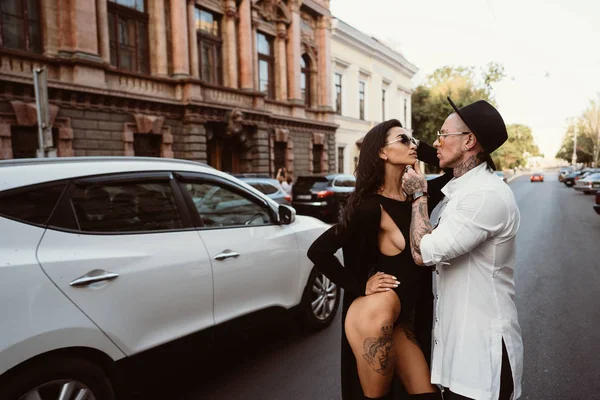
269	189
257	186
33	204
306	184
345	182
595	176
130	207
220	206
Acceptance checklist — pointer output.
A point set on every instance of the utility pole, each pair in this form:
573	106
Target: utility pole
574	157
45	142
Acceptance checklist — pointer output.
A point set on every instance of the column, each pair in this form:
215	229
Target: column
80	27
230	46
179	38
245	45
192	40
158	38
280	63
323	35
103	37
293	53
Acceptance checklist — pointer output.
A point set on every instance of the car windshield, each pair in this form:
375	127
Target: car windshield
593	177
311	183
345	182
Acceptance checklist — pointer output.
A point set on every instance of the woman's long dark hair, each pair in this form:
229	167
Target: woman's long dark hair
371	168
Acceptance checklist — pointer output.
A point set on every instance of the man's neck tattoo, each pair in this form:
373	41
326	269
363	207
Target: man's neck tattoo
469	164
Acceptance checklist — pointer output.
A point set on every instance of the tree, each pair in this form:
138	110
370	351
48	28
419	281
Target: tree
585	145
591	123
430	107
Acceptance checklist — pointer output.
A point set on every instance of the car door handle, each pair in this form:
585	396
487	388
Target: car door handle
94	276
226	254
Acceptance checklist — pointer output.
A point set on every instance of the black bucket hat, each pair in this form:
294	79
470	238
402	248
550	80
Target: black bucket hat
486	123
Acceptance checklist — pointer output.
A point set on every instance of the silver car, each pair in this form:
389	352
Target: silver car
588	184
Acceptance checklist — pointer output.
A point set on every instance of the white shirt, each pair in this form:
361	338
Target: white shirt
286	187
473	248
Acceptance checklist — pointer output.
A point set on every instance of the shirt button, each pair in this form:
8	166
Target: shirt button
435	341
437	297
437	271
436	320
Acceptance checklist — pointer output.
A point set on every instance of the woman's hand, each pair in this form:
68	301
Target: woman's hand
380	282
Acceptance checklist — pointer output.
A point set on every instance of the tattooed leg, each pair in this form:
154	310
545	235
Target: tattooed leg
411	366
380	351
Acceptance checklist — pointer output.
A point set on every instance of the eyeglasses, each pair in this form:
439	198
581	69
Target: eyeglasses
404	139
441	136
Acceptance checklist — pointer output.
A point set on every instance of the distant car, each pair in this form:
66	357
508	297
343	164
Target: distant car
537	177
323	197
269	186
570	178
501	175
563	172
588	184
597	205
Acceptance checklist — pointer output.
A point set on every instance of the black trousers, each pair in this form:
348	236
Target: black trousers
506	382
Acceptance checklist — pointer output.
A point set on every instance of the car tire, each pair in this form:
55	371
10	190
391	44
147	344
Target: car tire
49	374
314	313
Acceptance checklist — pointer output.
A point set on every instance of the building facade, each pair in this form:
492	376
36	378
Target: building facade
370	83
244	85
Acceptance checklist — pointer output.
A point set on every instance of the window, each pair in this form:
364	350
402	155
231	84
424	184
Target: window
305	79
265	188
265	65
20	25
208	34
25	142
128	32
383	104
338	94
340	160
147	145
279	151
219	206
32	204
131	207
361	100
317	155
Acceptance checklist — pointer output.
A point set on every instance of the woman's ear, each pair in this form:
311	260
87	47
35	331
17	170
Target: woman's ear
382	155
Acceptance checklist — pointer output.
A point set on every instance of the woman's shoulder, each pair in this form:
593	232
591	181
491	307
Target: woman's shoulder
369	206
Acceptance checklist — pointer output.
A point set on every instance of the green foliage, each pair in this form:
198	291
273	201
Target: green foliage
430	108
585	143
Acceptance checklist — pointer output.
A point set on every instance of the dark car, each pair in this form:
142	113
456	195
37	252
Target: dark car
323	197
269	186
563	172
571	178
597	205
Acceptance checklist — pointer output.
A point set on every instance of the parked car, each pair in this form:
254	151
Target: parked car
536	177
588	184
269	186
501	175
111	257
570	178
323	197
597	205
562	173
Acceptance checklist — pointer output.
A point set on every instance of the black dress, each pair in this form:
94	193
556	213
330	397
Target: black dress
362	257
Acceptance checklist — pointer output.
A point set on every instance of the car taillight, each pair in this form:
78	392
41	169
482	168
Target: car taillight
288	197
324	193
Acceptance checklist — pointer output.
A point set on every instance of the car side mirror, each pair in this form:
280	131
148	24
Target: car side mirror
287	214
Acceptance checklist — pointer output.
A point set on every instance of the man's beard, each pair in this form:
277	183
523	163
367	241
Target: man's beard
452	162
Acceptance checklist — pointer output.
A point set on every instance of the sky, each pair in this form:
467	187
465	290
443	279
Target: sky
550	50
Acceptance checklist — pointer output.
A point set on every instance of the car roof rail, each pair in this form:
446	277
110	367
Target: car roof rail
60	160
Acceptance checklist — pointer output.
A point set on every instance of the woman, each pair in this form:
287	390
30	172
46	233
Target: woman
387	306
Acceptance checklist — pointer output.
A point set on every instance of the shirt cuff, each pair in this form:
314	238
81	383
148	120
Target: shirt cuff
427	250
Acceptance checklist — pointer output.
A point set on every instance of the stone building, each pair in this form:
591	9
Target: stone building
244	85
371	83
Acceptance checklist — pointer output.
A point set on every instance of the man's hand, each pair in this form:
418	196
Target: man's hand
414	180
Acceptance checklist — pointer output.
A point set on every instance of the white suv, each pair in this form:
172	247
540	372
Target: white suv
104	258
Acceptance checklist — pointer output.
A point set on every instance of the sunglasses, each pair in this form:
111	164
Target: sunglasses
404	139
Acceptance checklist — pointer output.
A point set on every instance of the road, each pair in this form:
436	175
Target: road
558	298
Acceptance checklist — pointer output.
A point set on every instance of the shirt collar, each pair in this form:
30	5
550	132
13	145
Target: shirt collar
463	181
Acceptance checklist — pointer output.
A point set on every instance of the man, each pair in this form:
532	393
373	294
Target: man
477	345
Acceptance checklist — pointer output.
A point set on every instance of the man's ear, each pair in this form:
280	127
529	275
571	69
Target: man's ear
471	142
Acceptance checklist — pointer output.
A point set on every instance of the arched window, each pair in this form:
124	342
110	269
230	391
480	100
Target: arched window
305	79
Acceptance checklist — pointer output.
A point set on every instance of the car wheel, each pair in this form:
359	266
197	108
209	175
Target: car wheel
320	301
58	378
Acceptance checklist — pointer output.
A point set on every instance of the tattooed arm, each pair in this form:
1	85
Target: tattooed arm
414	181
419	227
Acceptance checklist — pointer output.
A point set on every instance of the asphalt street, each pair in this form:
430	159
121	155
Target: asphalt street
558	298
